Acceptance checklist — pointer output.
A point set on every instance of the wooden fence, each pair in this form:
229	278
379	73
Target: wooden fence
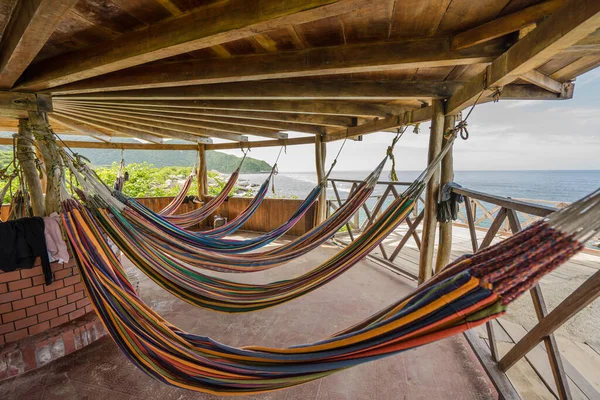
373	209
271	214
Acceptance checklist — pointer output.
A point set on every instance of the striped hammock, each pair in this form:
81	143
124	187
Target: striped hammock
123	231
232	225
471	291
228	296
181	196
194	217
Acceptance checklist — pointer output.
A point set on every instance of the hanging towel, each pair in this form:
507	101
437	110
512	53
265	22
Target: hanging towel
57	248
23	241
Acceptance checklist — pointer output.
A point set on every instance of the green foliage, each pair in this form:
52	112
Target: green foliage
145	180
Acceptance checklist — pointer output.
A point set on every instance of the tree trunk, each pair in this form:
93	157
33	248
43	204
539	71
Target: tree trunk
27	159
47	145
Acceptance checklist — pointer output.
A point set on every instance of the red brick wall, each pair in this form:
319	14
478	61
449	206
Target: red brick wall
29	307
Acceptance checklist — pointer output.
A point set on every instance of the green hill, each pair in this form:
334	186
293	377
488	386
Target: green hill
215	160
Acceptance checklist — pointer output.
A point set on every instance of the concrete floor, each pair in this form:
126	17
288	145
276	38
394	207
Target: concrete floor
443	370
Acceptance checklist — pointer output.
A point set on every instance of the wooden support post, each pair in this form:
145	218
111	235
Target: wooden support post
447	175
202	172
431	196
46	143
320	155
26	157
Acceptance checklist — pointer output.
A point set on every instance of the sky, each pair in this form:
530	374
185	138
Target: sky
508	135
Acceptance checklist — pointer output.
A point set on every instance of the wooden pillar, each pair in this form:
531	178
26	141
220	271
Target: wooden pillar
429	220
202	172
46	143
447	175
26	157
320	156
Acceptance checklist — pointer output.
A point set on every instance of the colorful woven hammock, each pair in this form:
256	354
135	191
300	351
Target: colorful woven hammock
123	231
471	291
229	296
232	225
178	200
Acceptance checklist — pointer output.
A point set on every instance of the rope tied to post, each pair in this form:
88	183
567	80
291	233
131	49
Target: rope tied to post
390	153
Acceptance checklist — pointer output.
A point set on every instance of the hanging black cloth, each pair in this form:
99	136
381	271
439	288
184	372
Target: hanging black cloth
447	207
21	242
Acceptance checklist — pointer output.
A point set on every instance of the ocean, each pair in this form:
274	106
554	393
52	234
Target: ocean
563	186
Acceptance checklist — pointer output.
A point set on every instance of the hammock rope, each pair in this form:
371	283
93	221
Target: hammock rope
470	292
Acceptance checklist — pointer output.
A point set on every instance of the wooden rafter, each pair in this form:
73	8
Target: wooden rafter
328	108
221	131
287	90
409	117
344	59
505	25
213	24
313	119
198	120
30	27
573	22
79	127
118	130
538	79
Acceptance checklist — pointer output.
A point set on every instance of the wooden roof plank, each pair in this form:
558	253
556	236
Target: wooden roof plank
28	31
80	127
222	131
211	25
505	25
98	123
344	59
189	119
286	90
314	119
329	108
573	22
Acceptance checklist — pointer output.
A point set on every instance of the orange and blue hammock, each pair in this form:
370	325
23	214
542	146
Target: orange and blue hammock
471	291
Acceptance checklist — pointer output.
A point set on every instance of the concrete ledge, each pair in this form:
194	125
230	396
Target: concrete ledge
35	351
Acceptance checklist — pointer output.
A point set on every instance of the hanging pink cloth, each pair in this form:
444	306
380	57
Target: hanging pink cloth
57	248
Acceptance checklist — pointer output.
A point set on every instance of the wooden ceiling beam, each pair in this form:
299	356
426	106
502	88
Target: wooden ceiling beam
409	117
286	90
504	25
191	119
326	108
77	144
568	25
30	27
207	129
79	127
313	119
214	24
18	105
344	59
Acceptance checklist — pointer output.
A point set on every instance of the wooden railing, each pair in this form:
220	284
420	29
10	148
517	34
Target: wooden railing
373	209
491	216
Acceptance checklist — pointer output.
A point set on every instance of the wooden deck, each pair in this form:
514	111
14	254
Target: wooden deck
578	339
